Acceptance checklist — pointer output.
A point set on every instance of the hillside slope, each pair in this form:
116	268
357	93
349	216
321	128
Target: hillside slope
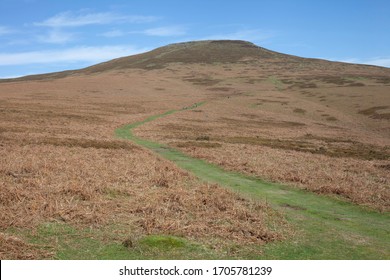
211	52
68	182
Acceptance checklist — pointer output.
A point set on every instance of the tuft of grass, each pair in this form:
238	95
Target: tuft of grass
299	111
262	100
373	112
189	144
300	84
225	89
331	118
203	138
202	81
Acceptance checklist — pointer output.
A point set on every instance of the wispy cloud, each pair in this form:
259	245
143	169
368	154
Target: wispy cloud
165	31
71	19
5	30
56	37
113	33
71	55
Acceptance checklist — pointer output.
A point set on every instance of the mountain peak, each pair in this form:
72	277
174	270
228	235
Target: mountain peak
211	42
206	52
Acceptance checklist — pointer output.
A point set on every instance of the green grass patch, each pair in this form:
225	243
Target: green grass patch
163	242
111	243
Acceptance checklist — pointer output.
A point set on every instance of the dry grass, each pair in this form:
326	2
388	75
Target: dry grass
323	138
59	163
91	187
12	247
332	163
203	211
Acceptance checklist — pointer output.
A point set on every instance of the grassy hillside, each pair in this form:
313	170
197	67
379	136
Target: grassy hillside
204	52
319	130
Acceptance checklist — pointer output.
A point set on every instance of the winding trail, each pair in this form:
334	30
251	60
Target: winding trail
326	228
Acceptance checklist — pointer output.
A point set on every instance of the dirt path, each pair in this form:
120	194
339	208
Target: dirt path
326	228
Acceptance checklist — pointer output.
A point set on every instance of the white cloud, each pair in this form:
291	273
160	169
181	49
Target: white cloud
56	37
113	33
71	55
165	31
5	30
70	19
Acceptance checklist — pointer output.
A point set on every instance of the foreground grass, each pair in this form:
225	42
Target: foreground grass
90	244
57	240
326	228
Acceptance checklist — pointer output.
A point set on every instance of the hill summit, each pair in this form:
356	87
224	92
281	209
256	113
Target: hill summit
208	52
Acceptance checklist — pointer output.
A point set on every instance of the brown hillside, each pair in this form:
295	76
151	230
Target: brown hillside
312	124
208	52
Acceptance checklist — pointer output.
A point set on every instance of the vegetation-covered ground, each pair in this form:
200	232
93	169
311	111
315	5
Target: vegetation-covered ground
70	188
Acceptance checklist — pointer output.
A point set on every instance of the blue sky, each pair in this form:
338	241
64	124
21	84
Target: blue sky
39	36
